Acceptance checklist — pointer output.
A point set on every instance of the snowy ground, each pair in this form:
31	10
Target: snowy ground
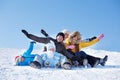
9	72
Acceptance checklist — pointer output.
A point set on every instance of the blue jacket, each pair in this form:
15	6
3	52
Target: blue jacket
56	61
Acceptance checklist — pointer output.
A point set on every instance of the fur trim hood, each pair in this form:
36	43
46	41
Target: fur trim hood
74	34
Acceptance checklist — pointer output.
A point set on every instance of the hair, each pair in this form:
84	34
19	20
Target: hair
74	34
65	31
61	34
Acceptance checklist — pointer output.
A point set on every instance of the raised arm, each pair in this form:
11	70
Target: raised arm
36	38
86	44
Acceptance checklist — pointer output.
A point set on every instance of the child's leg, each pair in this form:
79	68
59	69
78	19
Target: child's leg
29	50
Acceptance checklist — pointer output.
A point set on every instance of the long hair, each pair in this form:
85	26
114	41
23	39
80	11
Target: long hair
74	34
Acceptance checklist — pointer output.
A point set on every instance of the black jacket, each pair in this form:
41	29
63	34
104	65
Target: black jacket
60	48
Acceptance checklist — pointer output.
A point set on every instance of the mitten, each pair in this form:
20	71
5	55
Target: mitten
44	33
100	36
70	47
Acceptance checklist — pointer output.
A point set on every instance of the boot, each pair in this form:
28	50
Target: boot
103	61
85	63
96	63
75	63
35	64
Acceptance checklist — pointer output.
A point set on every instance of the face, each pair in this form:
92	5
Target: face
51	49
59	38
75	38
66	35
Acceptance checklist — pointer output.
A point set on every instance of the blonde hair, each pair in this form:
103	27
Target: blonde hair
74	34
65	31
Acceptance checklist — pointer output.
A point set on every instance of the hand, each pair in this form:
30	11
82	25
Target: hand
100	36
70	47
44	33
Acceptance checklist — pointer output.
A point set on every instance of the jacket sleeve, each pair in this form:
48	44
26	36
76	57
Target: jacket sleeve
67	54
40	39
86	44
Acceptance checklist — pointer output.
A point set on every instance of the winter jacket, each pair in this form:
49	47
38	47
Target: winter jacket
80	45
58	60
60	48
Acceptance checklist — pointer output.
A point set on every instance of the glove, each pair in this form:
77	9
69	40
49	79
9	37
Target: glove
70	47
100	36
44	33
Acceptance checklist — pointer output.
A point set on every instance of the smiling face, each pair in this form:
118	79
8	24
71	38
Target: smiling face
66	35
75	37
59	38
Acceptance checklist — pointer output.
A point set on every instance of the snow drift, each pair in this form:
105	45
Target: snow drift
9	72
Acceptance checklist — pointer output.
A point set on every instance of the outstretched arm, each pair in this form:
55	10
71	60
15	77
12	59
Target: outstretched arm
36	38
86	44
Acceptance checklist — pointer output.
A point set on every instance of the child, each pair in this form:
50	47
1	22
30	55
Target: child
26	57
50	59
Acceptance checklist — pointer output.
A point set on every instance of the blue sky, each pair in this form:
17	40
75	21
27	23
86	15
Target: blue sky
89	17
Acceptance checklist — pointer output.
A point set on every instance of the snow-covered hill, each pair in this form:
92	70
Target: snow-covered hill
9	72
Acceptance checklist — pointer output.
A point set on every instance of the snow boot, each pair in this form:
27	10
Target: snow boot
75	63
67	66
103	61
35	64
85	63
95	63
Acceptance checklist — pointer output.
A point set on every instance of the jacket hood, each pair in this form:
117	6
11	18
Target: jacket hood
74	34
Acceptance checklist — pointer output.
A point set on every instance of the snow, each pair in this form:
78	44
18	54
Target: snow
10	72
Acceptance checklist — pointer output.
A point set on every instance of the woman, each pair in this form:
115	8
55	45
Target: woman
74	45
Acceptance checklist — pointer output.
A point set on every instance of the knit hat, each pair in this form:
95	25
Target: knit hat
61	34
